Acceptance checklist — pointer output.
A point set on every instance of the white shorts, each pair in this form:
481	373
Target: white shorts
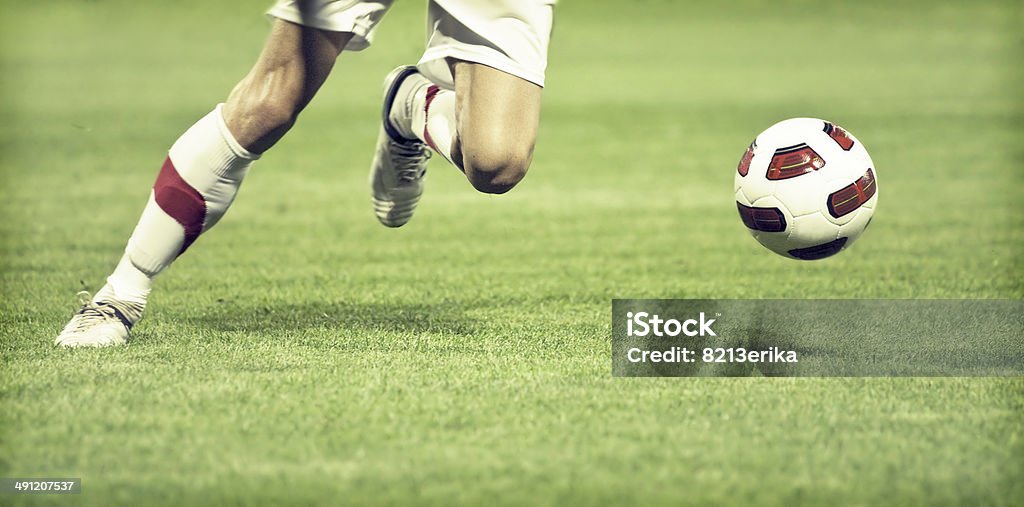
509	35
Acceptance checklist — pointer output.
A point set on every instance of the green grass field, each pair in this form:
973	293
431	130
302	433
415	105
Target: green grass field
302	353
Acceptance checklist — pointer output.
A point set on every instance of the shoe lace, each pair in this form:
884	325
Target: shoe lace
91	312
409	160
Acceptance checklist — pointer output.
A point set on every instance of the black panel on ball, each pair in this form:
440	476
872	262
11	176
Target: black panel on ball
813	253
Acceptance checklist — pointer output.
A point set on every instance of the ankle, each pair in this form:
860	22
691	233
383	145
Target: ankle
401	115
127	283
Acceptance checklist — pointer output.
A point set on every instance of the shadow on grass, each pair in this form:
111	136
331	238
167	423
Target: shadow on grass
448	317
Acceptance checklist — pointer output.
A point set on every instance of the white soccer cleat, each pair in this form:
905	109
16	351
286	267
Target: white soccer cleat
400	164
100	323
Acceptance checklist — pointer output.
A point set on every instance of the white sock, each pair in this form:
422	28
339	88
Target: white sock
400	115
433	118
196	185
126	283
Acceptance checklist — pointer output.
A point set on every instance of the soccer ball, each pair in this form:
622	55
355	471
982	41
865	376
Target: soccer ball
806	188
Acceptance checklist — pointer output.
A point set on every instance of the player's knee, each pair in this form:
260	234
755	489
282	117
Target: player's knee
497	169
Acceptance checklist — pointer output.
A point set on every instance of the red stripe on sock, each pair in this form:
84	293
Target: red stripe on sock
432	92
179	200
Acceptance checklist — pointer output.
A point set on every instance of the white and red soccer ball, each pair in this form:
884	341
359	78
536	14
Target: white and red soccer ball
806	188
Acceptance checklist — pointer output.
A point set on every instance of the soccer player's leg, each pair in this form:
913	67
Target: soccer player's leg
497	117
487	127
474	98
202	173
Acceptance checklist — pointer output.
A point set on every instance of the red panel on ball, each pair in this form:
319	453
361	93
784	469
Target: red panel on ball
794	161
840	136
748	155
847	199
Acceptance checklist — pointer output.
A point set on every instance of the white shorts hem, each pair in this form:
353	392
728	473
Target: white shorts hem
434	64
360	39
